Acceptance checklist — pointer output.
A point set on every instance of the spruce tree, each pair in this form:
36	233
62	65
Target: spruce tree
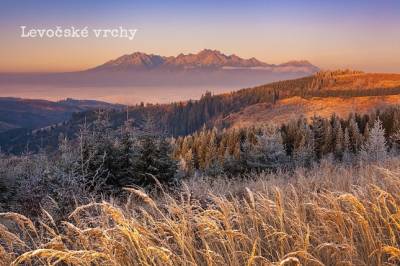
125	158
154	160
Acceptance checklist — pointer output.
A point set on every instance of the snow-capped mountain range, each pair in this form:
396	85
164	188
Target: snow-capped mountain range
204	60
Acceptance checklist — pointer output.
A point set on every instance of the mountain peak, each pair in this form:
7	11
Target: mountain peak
136	60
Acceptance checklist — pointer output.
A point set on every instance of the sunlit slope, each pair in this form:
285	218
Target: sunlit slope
295	107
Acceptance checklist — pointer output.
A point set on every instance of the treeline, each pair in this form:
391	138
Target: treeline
348	93
300	142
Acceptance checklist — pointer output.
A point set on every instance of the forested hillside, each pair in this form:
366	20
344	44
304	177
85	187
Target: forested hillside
179	119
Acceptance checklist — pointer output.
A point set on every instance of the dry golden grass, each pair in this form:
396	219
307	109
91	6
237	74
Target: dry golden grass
331	215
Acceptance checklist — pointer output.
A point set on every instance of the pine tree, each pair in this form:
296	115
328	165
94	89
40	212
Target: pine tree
125	158
355	136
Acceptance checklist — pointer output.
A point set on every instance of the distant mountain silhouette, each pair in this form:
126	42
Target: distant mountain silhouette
204	60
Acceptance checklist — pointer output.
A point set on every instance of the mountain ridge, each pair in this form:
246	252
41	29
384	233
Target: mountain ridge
205	59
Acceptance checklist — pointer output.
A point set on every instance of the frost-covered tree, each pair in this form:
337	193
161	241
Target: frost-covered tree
269	152
98	155
375	148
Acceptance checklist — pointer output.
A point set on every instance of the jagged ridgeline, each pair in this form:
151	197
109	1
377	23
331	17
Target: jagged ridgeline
182	118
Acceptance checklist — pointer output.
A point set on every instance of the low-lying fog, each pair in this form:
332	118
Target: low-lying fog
132	88
122	94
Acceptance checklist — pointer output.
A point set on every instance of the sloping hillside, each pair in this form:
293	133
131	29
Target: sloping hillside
343	83
341	92
26	113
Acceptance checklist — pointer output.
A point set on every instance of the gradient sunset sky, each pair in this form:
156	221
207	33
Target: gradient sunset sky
359	34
